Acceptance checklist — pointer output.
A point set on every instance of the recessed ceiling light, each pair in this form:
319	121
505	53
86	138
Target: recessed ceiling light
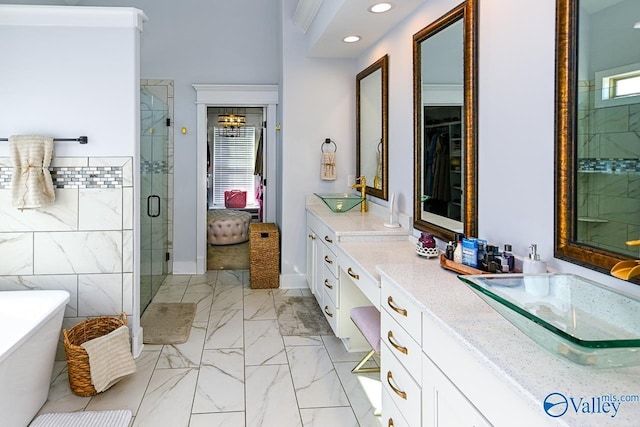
351	39
380	7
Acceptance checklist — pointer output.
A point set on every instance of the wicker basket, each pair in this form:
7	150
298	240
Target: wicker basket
264	255
77	357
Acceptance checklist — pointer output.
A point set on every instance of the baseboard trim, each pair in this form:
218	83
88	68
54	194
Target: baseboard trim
293	281
185	267
137	343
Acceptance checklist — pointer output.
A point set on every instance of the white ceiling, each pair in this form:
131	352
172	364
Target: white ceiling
336	19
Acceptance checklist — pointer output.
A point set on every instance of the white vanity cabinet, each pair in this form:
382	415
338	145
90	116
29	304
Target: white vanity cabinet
338	282
443	405
400	356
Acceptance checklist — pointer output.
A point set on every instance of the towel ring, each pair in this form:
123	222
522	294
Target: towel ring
328	141
380	146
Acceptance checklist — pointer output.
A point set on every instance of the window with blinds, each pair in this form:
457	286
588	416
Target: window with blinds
233	164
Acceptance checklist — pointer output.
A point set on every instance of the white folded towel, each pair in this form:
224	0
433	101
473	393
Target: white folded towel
110	358
328	171
31	184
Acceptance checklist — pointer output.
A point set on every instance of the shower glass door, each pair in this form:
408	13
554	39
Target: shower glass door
155	200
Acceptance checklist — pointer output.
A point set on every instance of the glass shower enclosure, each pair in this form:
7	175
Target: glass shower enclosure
156	178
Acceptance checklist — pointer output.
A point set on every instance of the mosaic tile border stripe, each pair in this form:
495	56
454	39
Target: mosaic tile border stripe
609	165
75	177
154	166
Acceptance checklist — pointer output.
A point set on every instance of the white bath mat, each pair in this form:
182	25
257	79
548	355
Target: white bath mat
119	418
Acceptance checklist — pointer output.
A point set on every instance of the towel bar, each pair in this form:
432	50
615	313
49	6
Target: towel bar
80	139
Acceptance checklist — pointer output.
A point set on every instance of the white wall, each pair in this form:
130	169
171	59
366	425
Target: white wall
318	102
191	42
63	77
516	122
39	79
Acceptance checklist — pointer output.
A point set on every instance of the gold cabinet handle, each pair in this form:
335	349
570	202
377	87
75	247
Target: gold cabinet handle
352	274
326	310
399	392
328	239
326	283
400	311
327	259
391	340
390	423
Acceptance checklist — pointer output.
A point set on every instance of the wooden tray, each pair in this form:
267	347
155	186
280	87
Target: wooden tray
457	267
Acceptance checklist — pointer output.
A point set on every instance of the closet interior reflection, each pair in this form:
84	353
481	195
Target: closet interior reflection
445	152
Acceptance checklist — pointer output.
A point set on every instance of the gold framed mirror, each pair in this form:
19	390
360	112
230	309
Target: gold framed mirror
597	137
372	127
445	124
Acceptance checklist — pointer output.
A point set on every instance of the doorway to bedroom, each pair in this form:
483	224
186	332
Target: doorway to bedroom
234	183
235	159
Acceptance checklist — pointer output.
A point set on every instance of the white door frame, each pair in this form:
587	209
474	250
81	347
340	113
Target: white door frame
207	95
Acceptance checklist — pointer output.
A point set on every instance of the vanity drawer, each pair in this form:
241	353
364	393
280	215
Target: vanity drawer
391	415
330	285
402	309
330	260
401	345
328	237
367	285
330	312
403	389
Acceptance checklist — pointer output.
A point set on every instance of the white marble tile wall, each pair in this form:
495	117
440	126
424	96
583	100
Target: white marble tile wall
83	243
608	134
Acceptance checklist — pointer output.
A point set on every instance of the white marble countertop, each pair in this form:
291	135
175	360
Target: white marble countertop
354	223
367	256
528	370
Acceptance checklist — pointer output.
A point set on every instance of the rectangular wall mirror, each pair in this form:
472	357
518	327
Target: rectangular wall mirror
445	152
597	132
371	127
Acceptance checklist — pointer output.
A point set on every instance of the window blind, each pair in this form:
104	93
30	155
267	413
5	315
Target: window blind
233	163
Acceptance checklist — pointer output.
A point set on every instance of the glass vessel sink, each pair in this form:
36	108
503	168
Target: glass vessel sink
340	202
568	315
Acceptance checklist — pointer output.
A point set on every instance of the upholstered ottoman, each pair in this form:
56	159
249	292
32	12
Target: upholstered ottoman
227	227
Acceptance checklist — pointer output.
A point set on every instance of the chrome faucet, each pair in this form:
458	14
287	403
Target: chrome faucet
361	184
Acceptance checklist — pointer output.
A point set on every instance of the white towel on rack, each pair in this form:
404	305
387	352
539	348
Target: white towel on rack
31	184
328	171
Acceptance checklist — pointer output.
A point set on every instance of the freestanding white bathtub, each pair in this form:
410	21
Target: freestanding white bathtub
30	326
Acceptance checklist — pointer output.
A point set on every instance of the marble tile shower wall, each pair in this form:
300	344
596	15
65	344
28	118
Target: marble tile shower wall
608	171
83	243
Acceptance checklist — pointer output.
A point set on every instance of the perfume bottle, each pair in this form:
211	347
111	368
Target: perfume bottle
508	260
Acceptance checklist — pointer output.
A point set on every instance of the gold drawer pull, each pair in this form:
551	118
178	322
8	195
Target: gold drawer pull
327	260
352	274
326	310
390	423
396	346
400	311
328	239
326	283
399	392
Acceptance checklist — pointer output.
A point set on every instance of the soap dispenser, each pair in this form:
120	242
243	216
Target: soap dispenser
532	265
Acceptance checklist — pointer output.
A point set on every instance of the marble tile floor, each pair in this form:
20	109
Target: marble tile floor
236	369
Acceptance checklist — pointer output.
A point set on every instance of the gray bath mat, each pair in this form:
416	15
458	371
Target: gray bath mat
167	322
84	419
301	316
